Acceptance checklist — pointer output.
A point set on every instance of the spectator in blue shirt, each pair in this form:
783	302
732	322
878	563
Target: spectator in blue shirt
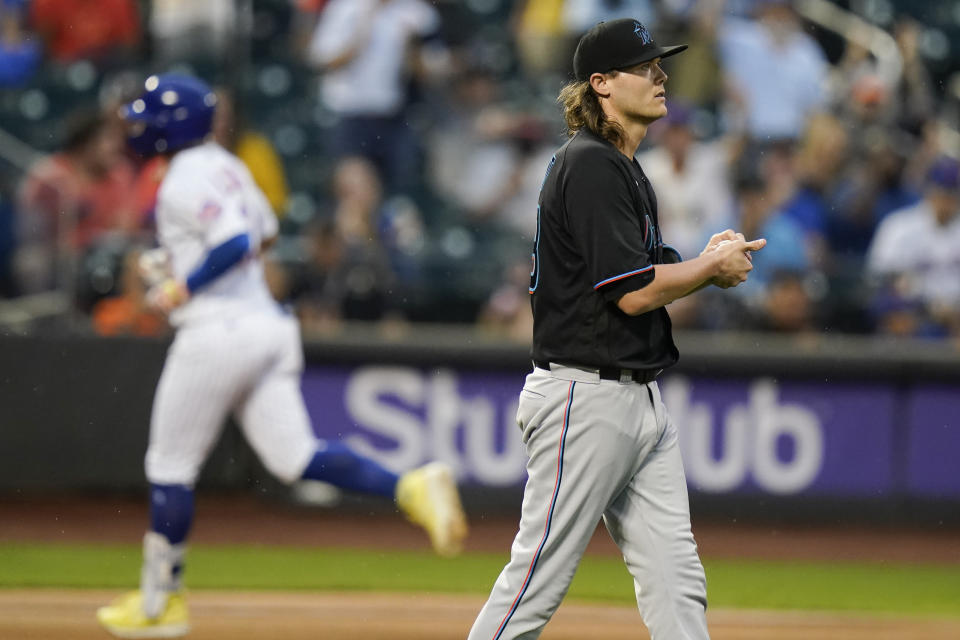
20	53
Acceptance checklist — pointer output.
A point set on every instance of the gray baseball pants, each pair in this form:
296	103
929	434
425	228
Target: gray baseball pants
598	448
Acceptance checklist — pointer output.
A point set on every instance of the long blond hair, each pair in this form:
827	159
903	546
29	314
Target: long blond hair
582	110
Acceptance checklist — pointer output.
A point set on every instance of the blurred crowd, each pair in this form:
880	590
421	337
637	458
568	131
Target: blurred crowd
402	144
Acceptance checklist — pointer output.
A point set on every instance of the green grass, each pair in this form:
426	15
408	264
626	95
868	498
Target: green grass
918	589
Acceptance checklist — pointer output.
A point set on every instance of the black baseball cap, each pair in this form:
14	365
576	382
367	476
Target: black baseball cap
617	44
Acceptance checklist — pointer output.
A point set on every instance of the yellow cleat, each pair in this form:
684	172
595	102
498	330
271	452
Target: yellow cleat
428	497
124	618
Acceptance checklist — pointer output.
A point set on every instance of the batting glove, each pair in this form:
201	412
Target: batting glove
168	295
153	266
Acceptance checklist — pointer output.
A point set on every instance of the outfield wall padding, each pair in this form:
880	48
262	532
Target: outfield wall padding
821	425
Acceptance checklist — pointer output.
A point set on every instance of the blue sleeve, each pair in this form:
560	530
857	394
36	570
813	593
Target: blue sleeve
218	261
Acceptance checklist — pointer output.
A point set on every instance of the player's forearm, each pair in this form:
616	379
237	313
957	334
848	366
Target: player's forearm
672	281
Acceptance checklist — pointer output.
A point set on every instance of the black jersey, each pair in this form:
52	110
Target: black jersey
597	239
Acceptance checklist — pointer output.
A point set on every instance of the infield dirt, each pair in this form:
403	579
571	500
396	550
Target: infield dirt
45	614
69	615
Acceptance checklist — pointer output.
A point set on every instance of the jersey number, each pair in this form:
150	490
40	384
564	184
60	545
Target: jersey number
535	257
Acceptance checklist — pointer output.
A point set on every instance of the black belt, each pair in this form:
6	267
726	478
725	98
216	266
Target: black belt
643	376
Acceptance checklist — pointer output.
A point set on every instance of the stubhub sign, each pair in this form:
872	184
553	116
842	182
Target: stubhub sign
423	416
778	446
754	435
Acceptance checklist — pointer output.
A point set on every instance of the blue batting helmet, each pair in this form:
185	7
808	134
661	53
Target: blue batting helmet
173	112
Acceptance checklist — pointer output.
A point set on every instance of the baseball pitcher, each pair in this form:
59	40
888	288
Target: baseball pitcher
599	441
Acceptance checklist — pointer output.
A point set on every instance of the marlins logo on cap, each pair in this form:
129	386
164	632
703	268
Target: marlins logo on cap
617	44
642	33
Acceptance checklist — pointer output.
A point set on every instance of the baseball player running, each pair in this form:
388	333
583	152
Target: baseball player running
599	441
235	352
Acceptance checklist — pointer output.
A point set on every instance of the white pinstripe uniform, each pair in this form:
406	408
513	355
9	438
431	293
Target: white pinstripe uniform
235	351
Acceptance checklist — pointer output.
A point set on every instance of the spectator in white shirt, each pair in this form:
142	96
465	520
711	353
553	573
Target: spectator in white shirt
776	73
914	260
363	47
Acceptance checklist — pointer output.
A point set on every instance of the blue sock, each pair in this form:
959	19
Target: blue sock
335	463
171	511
